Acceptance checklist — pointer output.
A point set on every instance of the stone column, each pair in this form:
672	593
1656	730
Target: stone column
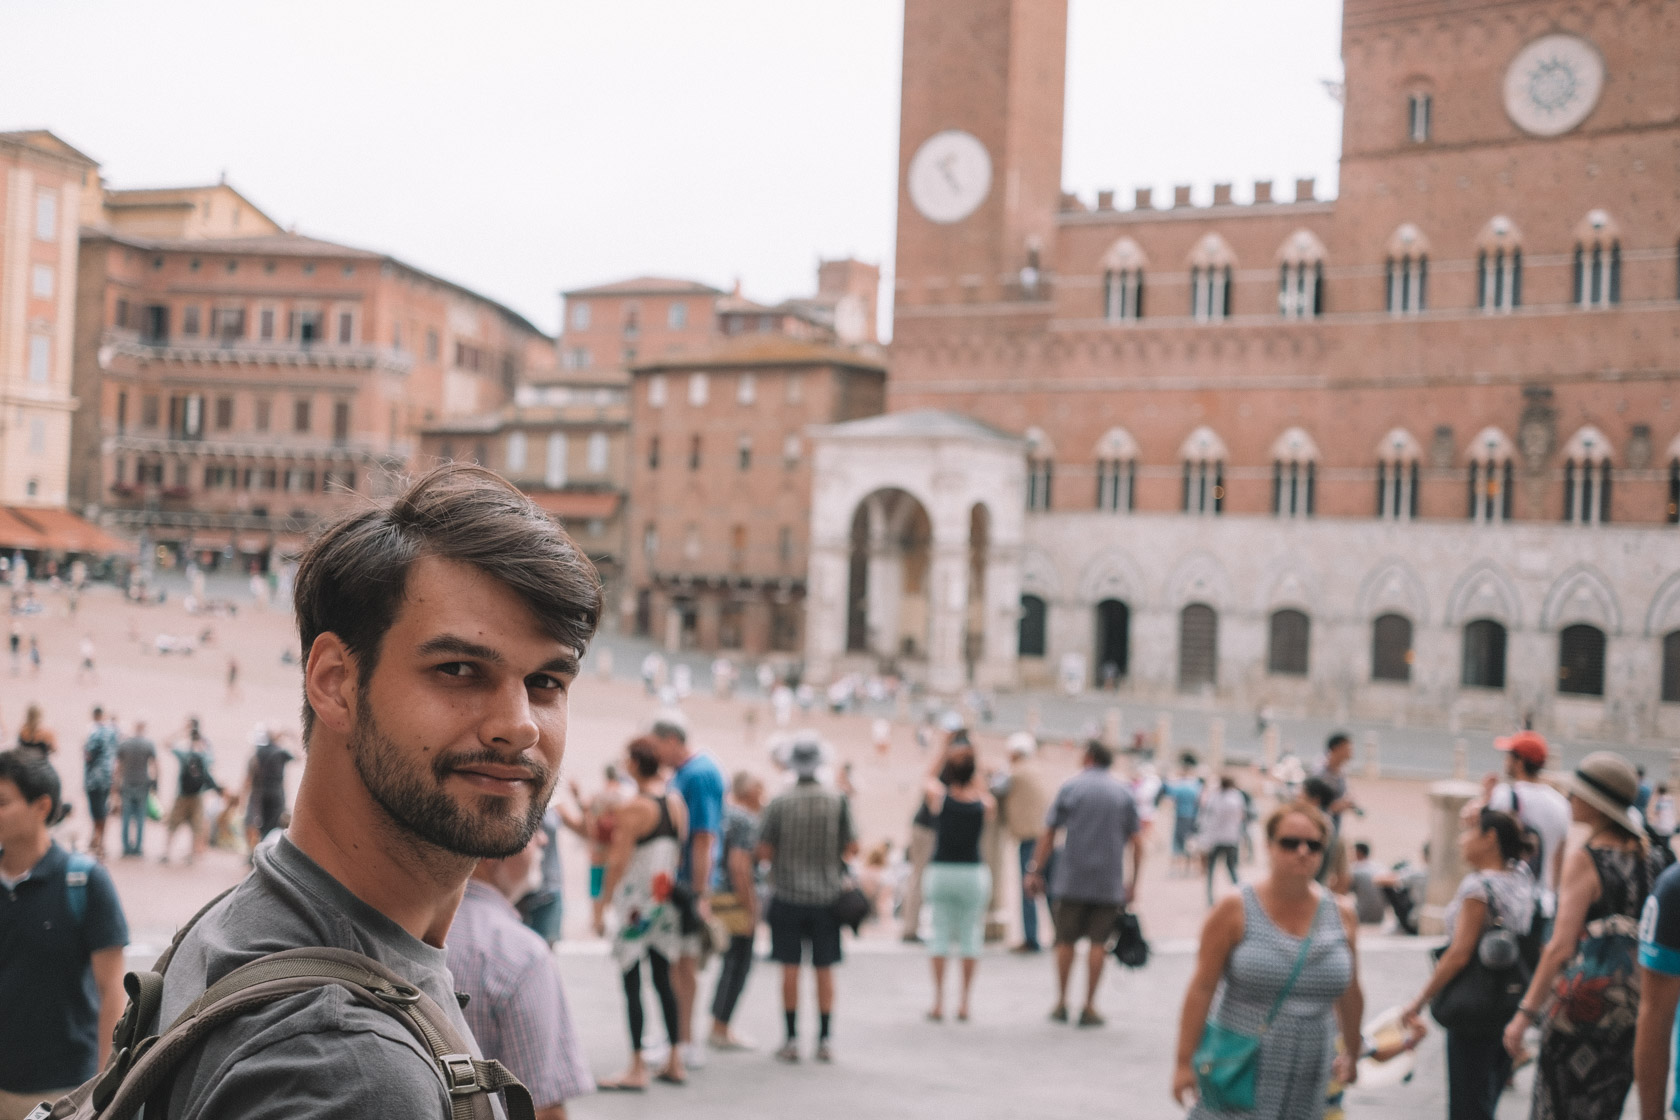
1446	867
947	606
825	609
998	668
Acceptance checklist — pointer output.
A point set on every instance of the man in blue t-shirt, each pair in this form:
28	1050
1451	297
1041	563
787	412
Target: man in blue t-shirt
1659	954
62	934
699	780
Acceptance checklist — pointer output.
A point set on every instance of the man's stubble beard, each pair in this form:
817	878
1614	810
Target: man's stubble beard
415	801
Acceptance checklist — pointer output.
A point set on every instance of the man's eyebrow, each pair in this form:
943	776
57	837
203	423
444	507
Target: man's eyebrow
566	665
459	647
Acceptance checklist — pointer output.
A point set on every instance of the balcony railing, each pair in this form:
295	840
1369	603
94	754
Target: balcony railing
318	354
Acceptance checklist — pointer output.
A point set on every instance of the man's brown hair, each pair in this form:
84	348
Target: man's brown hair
352	579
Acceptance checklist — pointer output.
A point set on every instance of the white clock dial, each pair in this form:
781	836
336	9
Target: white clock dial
1553	84
950	175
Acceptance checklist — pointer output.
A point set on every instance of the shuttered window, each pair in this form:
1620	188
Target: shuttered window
1391	648
1581	660
1198	646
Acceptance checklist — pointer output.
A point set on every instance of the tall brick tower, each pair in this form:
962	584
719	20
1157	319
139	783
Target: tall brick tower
980	149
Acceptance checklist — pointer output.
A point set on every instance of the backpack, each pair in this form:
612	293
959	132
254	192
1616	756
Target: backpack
1534	848
142	1066
76	871
195	776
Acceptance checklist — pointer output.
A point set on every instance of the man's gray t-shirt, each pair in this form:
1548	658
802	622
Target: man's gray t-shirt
1100	818
132	756
317	1054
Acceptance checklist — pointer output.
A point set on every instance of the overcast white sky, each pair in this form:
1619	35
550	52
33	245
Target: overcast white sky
521	147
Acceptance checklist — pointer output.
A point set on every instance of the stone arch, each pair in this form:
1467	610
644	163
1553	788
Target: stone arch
1399	446
1203	446
1484	591
1117	443
1125	255
1581	594
1597	227
1039	444
1295	446
1038	574
1664	612
1212	251
1301	247
1499	233
1589	445
1199	578
1393	587
1408	241
1490	445
1291	584
1111	575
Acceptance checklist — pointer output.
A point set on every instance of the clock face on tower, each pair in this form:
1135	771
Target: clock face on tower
1553	84
950	175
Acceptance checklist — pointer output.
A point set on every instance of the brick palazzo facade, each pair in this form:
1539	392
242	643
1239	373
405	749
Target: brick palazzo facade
1412	453
239	382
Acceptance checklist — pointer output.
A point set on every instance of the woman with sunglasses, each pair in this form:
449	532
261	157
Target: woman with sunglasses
1478	1065
1588	974
1257	973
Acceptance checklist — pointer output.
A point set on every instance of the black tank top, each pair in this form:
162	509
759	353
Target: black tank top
665	827
958	828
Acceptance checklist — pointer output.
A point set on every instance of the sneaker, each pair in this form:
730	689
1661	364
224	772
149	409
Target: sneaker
1089	1018
1025	948
824	1052
789	1052
1059	1015
693	1055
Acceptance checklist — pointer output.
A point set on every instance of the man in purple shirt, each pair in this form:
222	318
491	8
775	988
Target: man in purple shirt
517	1009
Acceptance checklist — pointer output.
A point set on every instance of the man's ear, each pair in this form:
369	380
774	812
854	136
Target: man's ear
329	683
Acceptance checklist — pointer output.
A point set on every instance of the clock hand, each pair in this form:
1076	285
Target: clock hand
945	166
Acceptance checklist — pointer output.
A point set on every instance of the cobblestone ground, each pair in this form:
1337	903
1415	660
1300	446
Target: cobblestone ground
1008	1062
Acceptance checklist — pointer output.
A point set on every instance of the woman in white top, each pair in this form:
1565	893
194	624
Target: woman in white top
1478	1065
1221	822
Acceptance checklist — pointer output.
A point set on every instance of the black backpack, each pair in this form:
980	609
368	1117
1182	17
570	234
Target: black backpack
143	1064
195	776
1534	847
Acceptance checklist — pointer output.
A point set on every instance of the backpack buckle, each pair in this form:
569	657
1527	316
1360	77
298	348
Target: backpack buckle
400	994
460	1076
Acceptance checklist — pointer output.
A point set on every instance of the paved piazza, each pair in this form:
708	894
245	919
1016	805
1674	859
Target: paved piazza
1008	1062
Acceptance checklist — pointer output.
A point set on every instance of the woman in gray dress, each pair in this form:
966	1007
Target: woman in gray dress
1248	951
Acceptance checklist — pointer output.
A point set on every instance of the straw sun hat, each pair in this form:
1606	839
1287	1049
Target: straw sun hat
1609	783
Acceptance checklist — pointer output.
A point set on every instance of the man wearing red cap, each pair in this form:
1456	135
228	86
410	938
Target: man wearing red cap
1536	804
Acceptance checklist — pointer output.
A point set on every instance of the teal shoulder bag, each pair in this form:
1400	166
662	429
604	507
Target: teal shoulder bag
1227	1063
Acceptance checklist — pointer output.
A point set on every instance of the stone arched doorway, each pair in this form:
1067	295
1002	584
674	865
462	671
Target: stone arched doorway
916	529
1114	640
887	569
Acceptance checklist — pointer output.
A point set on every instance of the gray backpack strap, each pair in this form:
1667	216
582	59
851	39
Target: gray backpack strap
467	1080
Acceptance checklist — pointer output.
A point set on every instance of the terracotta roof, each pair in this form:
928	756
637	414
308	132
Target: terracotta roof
763	350
295	245
578	504
54	530
646	286
42	140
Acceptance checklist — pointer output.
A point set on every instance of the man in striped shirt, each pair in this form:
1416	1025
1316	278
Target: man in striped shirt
805	835
516	1007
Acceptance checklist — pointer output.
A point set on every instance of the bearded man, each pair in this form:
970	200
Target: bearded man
441	636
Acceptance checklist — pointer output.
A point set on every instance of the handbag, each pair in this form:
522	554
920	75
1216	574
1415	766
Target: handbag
1487	991
1129	948
1227	1063
732	914
852	907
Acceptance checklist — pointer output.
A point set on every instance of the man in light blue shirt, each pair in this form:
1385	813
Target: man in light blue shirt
697	778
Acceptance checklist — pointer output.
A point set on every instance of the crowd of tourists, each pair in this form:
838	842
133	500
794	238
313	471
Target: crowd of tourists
390	950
